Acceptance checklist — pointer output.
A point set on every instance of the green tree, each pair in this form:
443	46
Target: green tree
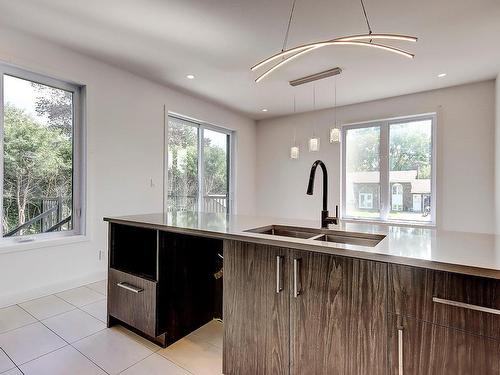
56	105
37	163
183	165
409	149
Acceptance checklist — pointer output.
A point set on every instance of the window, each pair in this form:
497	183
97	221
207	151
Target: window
40	122
397	197
393	161
198	167
366	200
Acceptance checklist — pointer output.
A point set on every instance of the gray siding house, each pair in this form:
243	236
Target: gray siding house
408	193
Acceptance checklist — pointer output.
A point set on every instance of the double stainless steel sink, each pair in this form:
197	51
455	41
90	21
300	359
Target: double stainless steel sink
326	235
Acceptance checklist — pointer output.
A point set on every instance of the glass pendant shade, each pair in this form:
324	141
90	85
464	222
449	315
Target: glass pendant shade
314	144
294	152
334	135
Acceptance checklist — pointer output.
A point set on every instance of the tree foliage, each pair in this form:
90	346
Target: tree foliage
183	164
409	149
37	164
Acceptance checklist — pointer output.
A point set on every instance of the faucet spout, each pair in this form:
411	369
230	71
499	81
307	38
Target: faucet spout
310	186
325	219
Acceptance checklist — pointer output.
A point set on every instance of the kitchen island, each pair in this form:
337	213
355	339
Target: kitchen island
415	300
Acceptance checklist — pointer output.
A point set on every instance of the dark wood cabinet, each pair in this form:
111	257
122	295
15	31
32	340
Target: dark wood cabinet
464	302
188	293
162	284
256	309
132	300
338	315
443	322
294	312
418	347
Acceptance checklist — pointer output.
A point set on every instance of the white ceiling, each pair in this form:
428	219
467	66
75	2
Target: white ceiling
218	40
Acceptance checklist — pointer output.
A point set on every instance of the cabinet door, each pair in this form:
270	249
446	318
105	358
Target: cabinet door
187	285
256	309
338	315
418	347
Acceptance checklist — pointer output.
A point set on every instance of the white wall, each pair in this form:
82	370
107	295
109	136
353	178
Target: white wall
497	154
465	155
125	150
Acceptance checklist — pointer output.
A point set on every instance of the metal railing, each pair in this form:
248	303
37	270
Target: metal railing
49	220
209	203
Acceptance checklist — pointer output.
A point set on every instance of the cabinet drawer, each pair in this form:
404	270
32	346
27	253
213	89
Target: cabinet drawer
465	302
417	347
132	300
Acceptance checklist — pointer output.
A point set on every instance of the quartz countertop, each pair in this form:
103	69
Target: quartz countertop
468	253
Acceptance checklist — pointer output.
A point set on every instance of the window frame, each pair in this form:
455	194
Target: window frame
78	150
365	195
201	126
385	188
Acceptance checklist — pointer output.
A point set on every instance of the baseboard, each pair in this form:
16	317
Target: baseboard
15	298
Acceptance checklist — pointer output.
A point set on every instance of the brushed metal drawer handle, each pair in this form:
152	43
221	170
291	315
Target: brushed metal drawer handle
465	305
400	351
129	287
296	275
279	285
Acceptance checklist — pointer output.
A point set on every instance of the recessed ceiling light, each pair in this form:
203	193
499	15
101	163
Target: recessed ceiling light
264	109
441	75
190	76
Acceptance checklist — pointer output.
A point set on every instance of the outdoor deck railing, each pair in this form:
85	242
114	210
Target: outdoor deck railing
209	203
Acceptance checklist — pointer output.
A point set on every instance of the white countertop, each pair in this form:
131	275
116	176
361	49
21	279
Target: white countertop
468	253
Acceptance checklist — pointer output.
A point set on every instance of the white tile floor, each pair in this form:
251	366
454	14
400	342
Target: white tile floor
66	334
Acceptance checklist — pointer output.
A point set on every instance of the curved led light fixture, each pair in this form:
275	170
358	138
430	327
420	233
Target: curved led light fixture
310	47
406	38
283	62
353	40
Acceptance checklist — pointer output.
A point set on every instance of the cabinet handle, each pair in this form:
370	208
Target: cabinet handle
400	350
296	271
465	305
279	277
129	287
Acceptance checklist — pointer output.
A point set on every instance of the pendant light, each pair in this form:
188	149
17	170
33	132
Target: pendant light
314	140
360	40
294	149
335	130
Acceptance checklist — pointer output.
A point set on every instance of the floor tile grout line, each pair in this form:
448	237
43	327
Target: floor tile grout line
24	325
51	316
152	354
87	286
90	359
67	344
56	295
96	363
176	363
15	364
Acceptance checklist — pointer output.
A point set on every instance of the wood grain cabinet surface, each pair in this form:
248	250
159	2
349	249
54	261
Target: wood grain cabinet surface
422	348
136	308
429	295
301	313
256	313
338	319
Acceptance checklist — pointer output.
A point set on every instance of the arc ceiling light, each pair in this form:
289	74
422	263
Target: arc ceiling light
287	55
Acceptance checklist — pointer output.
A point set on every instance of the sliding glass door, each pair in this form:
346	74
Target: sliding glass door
198	167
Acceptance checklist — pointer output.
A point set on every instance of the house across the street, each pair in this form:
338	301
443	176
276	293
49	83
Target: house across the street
408	193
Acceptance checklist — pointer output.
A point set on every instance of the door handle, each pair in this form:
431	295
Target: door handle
465	305
279	277
400	345
296	276
129	287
